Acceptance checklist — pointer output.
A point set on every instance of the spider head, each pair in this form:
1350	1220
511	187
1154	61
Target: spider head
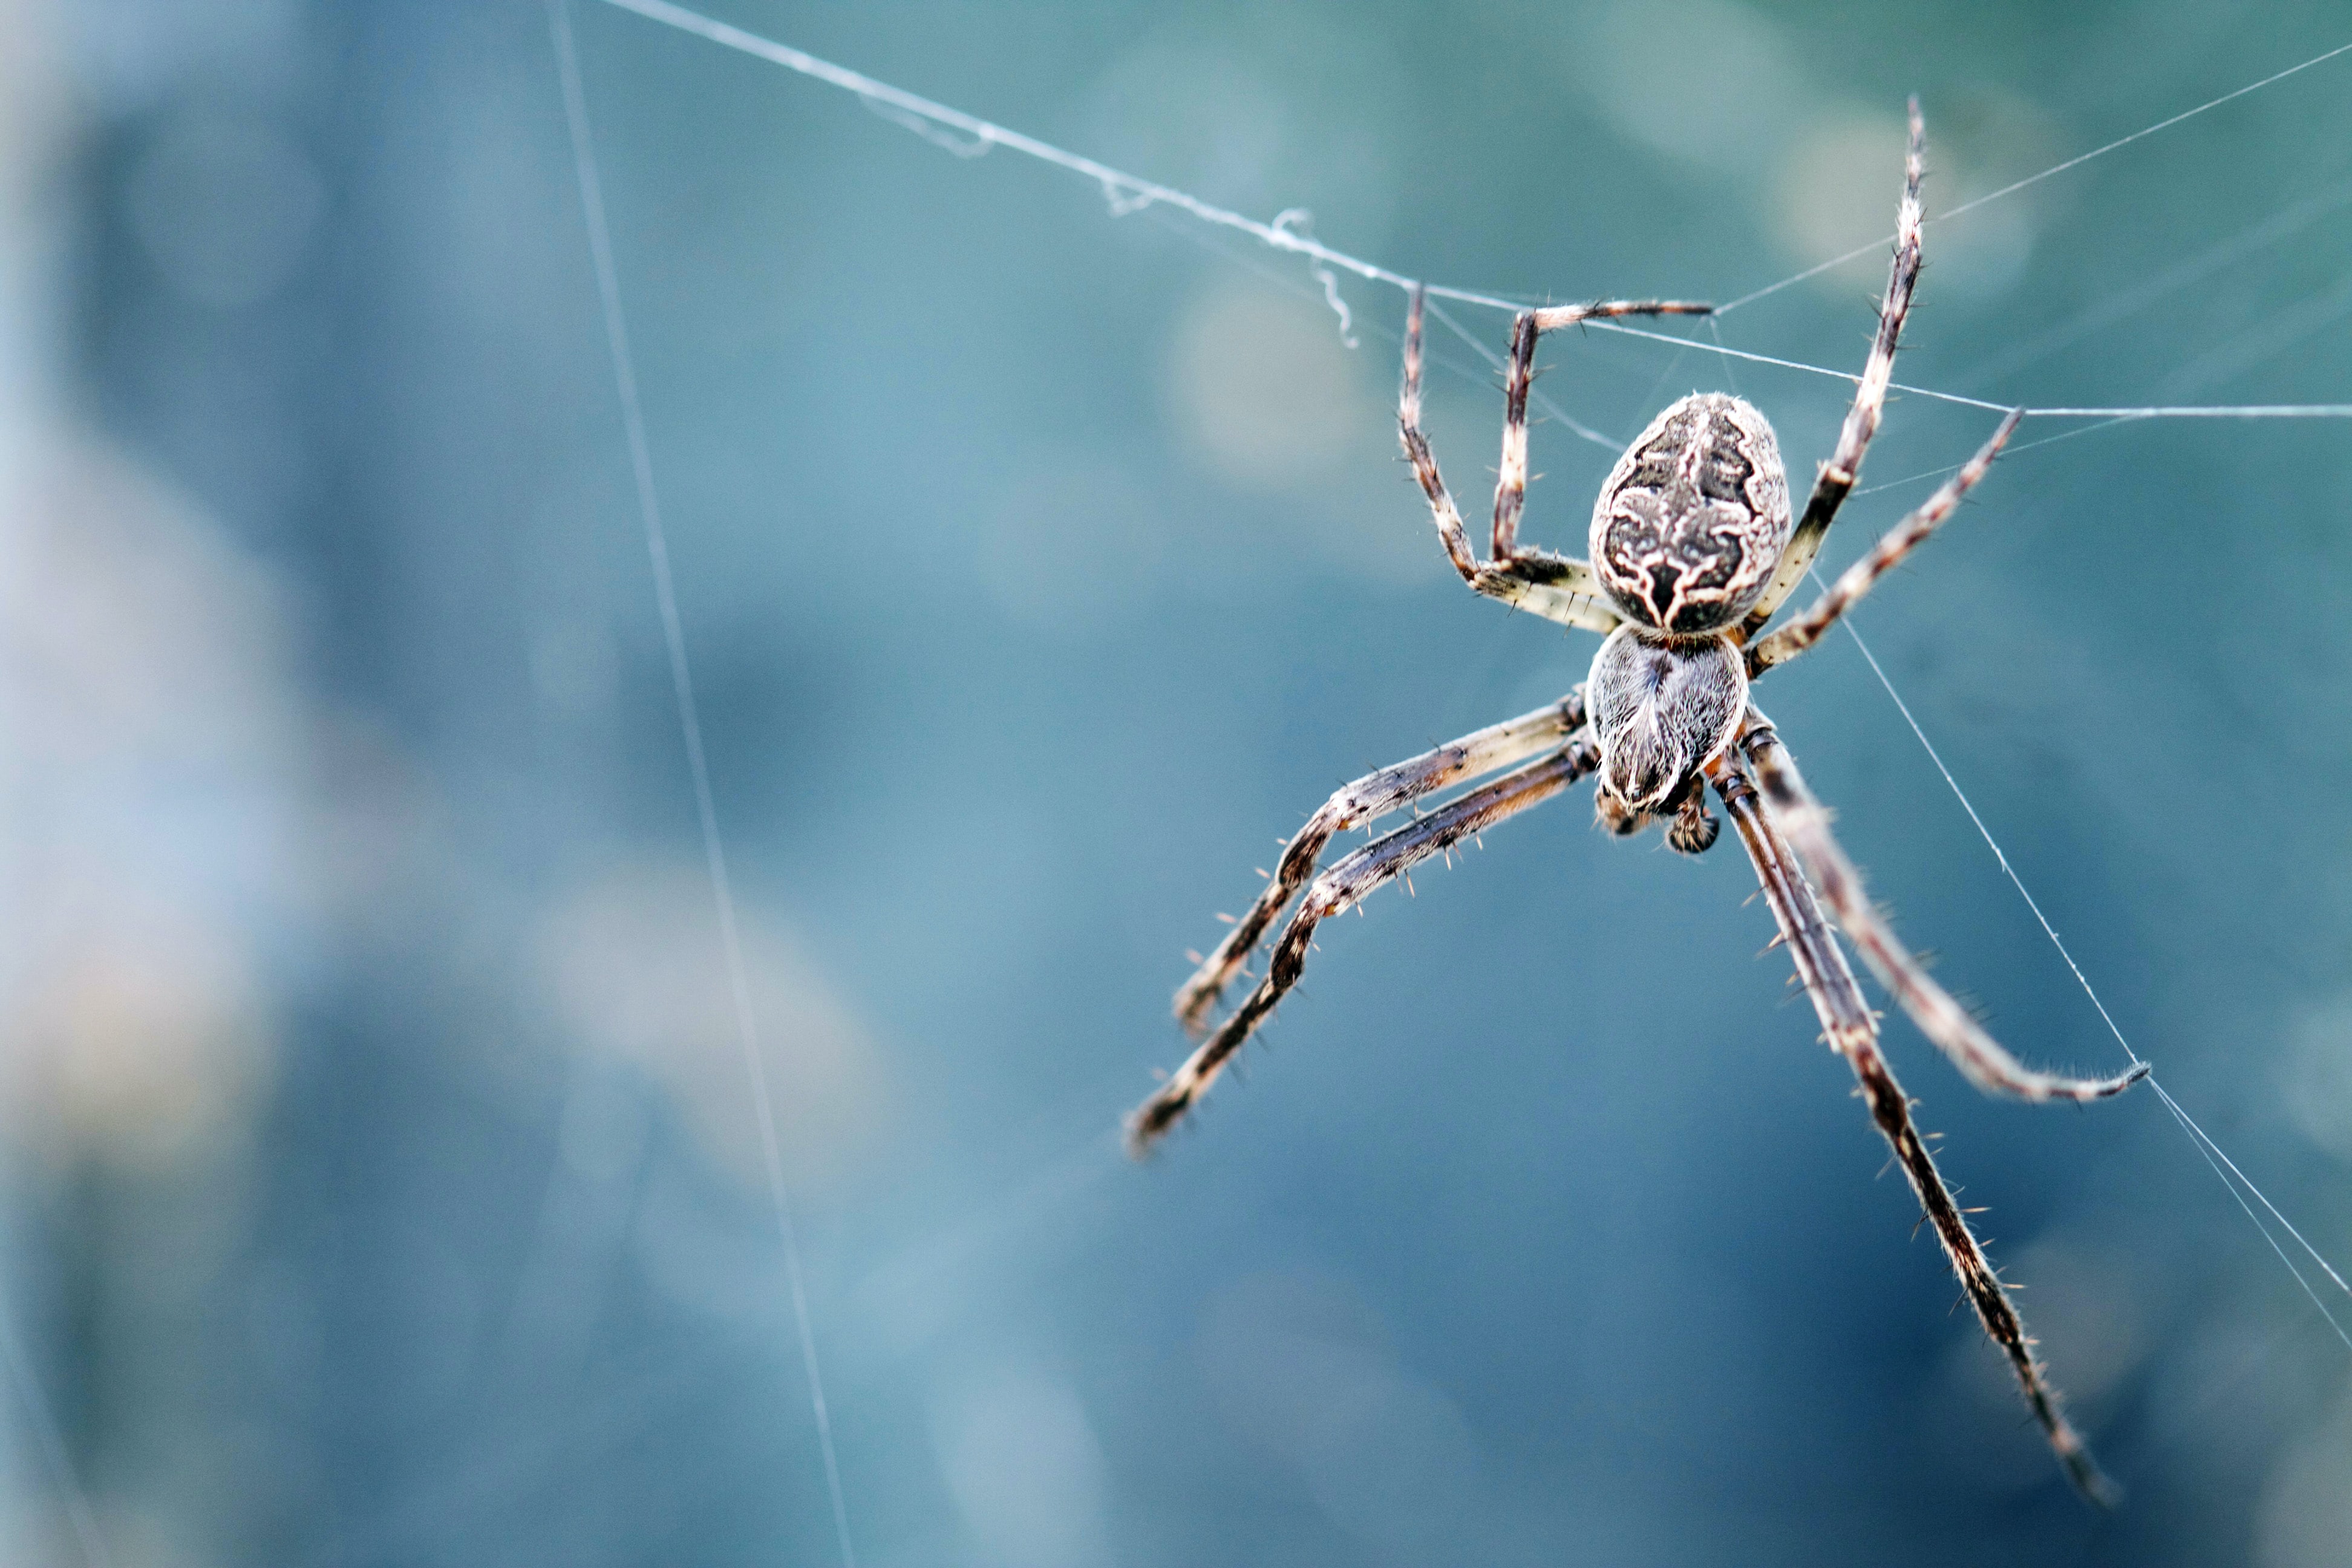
1660	707
1693	518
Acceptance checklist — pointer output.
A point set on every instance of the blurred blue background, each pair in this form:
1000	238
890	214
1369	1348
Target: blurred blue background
381	1181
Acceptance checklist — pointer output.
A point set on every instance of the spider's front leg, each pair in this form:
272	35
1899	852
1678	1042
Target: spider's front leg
1945	1022
1852	1032
1556	587
1837	477
1897	543
1344	885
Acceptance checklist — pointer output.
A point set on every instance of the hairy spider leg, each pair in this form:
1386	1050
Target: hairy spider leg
1945	1022
1852	1031
1556	588
1367	800
1837	476
1789	641
1345	884
1519	373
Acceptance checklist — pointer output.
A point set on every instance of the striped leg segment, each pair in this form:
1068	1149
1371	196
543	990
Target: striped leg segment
1780	646
1345	885
1556	587
1837	475
1368	799
1852	1033
1806	823
1519	374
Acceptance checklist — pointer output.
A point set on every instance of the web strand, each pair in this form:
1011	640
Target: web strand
1127	193
1536	394
2079	159
2198	1136
2124	303
2157	410
625	378
2007	453
51	1439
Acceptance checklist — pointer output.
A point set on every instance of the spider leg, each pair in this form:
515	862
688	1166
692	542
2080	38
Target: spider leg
1556	587
1511	478
1345	884
1852	1033
1837	475
1858	579
1366	800
1945	1022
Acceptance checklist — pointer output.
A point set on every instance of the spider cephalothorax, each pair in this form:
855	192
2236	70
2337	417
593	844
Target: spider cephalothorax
1693	553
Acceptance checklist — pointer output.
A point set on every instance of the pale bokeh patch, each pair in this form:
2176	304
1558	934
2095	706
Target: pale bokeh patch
634	965
2314	1076
1023	1463
1265	390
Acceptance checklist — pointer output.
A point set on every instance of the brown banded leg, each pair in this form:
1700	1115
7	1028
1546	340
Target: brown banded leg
1519	376
1858	579
1852	1033
1345	884
1556	587
1368	799
1806	823
1837	476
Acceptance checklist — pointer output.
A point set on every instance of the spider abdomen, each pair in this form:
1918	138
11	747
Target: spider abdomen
1693	518
1660	708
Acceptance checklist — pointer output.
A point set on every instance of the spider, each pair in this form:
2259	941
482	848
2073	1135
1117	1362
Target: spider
1694	549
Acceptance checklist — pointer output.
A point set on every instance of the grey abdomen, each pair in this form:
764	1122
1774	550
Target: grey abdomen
1660	710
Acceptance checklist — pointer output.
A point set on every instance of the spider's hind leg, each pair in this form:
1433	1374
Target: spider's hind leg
1367	799
1852	1030
1948	1026
1342	886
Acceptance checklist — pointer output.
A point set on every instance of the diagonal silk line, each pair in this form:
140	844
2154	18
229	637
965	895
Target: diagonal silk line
2198	1136
2079	158
633	419
2157	411
1128	193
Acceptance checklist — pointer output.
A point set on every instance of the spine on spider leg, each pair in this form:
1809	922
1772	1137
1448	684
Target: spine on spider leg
1820	962
1341	888
1374	795
1836	480
1854	1034
1891	1109
1882	558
